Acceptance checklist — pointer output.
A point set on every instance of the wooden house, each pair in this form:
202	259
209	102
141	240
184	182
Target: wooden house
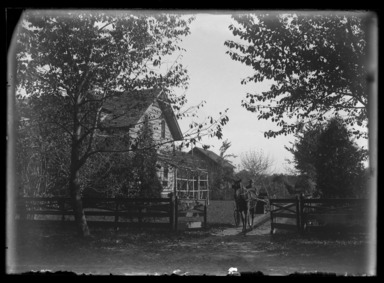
178	172
126	113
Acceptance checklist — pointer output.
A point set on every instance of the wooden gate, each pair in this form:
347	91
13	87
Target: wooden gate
285	214
303	214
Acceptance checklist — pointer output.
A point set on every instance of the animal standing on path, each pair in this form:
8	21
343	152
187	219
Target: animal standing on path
252	202
245	203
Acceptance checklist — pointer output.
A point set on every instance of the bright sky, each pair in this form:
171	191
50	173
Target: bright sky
215	78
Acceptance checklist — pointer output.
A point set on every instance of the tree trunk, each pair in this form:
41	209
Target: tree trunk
74	188
74	185
77	203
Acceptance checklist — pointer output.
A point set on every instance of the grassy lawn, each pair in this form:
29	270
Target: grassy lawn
220	211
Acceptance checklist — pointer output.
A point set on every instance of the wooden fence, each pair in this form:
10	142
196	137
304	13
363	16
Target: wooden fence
305	214
335	213
162	211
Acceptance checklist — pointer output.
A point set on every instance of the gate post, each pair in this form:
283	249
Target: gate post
62	208
271	213
171	211
116	214
298	214
302	217
176	209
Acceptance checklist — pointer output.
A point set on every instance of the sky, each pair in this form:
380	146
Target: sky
215	78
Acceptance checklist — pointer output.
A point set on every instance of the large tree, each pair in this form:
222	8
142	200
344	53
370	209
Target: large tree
315	63
330	157
71	62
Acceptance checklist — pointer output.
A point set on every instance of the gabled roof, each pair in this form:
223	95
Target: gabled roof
126	108
212	156
170	118
181	159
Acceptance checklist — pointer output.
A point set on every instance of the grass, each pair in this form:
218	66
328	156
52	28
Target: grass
48	245
220	211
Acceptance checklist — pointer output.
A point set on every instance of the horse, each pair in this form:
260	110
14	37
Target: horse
245	200
252	198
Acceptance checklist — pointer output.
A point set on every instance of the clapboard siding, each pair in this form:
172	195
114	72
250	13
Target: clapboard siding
155	116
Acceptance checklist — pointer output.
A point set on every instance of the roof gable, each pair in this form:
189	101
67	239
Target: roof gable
124	110
181	159
170	118
212	156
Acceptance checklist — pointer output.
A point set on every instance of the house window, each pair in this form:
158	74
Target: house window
166	170
165	176
162	129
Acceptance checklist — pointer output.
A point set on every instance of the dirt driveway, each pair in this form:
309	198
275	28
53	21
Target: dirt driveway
211	252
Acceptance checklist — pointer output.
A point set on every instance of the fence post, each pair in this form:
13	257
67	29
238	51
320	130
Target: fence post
116	214
62	208
205	214
176	209
139	216
302	217
298	213
171	211
271	213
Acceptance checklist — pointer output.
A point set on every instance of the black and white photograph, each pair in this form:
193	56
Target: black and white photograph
191	142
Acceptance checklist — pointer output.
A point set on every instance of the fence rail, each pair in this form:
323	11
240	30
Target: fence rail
120	209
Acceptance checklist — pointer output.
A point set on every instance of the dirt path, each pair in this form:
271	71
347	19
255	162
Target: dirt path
261	227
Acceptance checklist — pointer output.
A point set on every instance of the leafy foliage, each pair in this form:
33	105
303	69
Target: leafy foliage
144	164
315	63
130	174
306	150
332	159
41	154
